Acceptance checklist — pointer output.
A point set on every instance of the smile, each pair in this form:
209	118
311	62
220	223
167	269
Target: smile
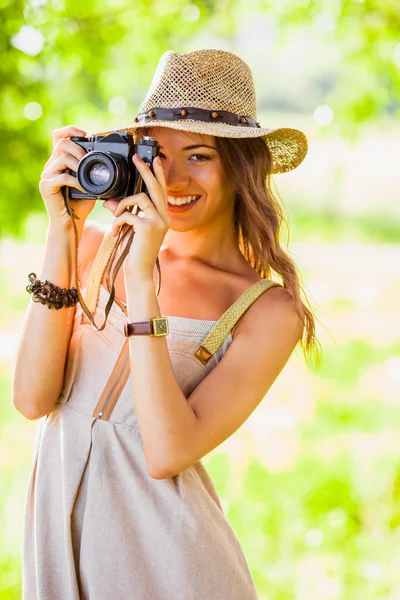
182	200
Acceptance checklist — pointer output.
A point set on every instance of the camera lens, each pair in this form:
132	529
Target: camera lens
99	174
103	174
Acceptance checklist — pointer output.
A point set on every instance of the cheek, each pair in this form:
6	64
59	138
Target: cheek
222	188
213	181
209	178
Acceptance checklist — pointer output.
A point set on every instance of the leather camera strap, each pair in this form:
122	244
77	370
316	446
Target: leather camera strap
114	385
126	233
121	369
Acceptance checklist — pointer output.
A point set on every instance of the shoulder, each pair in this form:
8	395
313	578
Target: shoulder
274	312
92	236
263	341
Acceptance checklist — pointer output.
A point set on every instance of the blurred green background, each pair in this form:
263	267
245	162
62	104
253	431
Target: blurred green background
311	482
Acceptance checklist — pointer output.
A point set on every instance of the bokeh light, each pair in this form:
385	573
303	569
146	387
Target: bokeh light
29	40
117	105
323	115
190	13
33	111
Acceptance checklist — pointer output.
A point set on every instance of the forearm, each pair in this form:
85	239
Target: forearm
41	353
166	421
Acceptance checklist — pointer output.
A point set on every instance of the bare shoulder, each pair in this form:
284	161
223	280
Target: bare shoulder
274	311
92	236
267	334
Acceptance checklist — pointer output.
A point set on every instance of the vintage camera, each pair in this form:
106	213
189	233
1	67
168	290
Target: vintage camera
107	170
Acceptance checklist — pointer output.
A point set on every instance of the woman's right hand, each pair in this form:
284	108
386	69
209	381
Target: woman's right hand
66	154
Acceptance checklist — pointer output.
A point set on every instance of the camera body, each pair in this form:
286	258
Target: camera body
107	171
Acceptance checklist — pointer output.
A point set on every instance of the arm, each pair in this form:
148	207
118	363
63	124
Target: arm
43	344
39	363
177	432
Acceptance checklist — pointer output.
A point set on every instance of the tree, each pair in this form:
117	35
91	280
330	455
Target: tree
89	64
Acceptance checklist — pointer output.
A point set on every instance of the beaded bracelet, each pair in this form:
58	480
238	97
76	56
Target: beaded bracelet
47	293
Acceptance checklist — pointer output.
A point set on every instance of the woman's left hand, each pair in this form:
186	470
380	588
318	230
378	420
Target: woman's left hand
151	227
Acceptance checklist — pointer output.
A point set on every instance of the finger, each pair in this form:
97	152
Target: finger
160	176
141	200
130	219
127	218
53	185
65	145
153	186
65	161
66	132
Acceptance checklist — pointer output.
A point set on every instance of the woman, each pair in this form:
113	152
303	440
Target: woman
119	504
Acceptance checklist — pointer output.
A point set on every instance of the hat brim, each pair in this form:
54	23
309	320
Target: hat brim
288	146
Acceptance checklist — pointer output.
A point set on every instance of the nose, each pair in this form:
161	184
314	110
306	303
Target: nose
176	177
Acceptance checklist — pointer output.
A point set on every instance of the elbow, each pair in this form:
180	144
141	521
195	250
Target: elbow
28	414
163	471
161	474
159	471
28	409
157	475
31	403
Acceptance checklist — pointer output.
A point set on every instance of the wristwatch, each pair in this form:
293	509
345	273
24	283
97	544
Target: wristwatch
154	327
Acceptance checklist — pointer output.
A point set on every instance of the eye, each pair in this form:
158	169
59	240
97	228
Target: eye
199	157
202	157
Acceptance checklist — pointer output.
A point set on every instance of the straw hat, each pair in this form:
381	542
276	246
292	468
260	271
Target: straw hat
212	92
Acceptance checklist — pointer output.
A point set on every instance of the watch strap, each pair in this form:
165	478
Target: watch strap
154	327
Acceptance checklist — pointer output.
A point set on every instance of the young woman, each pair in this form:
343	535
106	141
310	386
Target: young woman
119	504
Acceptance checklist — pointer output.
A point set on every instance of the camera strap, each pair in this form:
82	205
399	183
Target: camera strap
124	240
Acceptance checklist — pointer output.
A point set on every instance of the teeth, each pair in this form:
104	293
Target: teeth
183	200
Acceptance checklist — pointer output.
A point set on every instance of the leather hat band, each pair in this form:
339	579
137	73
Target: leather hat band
198	114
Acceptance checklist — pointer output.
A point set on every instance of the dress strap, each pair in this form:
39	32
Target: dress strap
231	316
97	271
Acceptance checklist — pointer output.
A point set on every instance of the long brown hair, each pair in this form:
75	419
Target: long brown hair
259	216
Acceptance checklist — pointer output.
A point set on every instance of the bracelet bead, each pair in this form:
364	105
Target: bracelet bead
45	292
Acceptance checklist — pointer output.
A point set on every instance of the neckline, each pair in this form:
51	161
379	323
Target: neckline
119	309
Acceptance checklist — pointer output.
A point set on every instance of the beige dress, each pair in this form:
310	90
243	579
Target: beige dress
97	526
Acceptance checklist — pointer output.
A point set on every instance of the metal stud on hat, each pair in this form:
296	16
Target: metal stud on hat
212	92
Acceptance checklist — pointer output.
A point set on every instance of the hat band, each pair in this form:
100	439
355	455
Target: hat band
197	114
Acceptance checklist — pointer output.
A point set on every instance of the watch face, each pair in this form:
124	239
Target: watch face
160	326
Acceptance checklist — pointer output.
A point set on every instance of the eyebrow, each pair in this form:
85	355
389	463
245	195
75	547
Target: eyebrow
196	146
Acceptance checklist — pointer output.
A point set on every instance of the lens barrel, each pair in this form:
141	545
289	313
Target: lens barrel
102	174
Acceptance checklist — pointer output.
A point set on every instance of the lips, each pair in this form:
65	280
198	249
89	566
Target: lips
179	200
178	208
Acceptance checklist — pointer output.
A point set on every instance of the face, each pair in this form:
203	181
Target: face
198	191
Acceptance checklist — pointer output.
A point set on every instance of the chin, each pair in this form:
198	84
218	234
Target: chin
177	225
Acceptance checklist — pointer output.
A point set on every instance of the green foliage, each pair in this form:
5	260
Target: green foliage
331	225
82	55
354	359
91	52
365	34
